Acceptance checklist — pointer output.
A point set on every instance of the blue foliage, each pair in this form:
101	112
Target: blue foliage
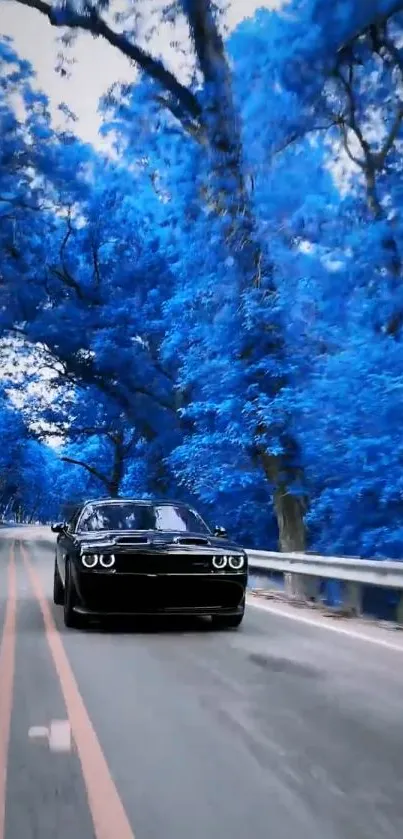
187	335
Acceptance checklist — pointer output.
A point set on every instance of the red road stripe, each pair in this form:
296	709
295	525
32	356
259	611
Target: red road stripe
108	814
7	665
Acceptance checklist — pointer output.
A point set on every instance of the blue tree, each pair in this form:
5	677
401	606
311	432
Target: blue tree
211	117
217	361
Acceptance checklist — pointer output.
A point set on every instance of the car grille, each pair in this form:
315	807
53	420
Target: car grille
138	563
144	594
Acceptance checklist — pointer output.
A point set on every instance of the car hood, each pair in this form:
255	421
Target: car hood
164	541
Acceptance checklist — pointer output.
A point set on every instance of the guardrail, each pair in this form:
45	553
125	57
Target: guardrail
304	572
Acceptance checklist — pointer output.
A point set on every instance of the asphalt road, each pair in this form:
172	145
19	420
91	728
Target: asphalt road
280	730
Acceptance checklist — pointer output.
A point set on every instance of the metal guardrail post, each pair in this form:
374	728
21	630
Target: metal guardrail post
353	598
399	610
301	587
293	585
312	588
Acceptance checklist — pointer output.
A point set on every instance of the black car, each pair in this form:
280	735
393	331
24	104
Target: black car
129	557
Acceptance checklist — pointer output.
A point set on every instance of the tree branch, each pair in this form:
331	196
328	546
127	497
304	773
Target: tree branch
392	49
93	23
90	469
380	157
191	126
95	262
77	371
370	14
152	352
385	42
129	444
372	161
20	204
224	128
67	279
343	128
62	429
207	39
351	120
64	274
299	135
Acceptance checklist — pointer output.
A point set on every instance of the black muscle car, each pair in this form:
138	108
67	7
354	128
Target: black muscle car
129	557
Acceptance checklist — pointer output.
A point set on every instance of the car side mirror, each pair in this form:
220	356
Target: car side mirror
58	527
220	532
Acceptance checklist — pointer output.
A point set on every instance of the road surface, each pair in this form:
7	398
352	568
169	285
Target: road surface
282	729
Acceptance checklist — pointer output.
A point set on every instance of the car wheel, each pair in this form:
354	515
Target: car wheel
227	621
58	590
71	619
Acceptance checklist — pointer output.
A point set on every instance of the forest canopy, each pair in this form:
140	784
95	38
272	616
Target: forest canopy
212	307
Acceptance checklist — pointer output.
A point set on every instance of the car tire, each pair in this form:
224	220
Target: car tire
58	590
71	619
227	621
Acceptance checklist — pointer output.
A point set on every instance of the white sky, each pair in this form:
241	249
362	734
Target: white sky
98	65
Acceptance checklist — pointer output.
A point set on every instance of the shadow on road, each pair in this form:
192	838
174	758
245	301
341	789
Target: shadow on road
166	625
33	623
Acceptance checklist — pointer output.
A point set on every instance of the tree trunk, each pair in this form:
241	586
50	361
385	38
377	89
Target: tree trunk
33	514
289	513
220	125
118	466
223	131
290	510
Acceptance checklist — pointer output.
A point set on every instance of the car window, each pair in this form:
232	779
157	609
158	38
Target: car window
71	525
132	516
173	518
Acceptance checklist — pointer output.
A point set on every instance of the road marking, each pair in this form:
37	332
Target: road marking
7	666
58	735
36	732
108	814
321	623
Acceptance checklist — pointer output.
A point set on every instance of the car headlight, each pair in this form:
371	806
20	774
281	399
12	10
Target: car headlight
107	560
220	562
89	560
236	562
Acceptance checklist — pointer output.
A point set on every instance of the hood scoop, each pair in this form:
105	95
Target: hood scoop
191	540
132	540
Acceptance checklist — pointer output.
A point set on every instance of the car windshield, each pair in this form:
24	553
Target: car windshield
132	516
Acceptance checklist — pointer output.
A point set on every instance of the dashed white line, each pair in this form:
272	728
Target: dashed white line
58	735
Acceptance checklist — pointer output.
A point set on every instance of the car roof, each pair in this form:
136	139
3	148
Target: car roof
143	501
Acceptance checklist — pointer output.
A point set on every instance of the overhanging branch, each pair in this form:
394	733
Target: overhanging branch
379	15
97	26
90	469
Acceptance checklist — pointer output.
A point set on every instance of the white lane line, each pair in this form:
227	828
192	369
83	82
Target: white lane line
323	624
37	732
58	735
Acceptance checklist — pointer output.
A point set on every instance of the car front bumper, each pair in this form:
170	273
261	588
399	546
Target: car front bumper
170	594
